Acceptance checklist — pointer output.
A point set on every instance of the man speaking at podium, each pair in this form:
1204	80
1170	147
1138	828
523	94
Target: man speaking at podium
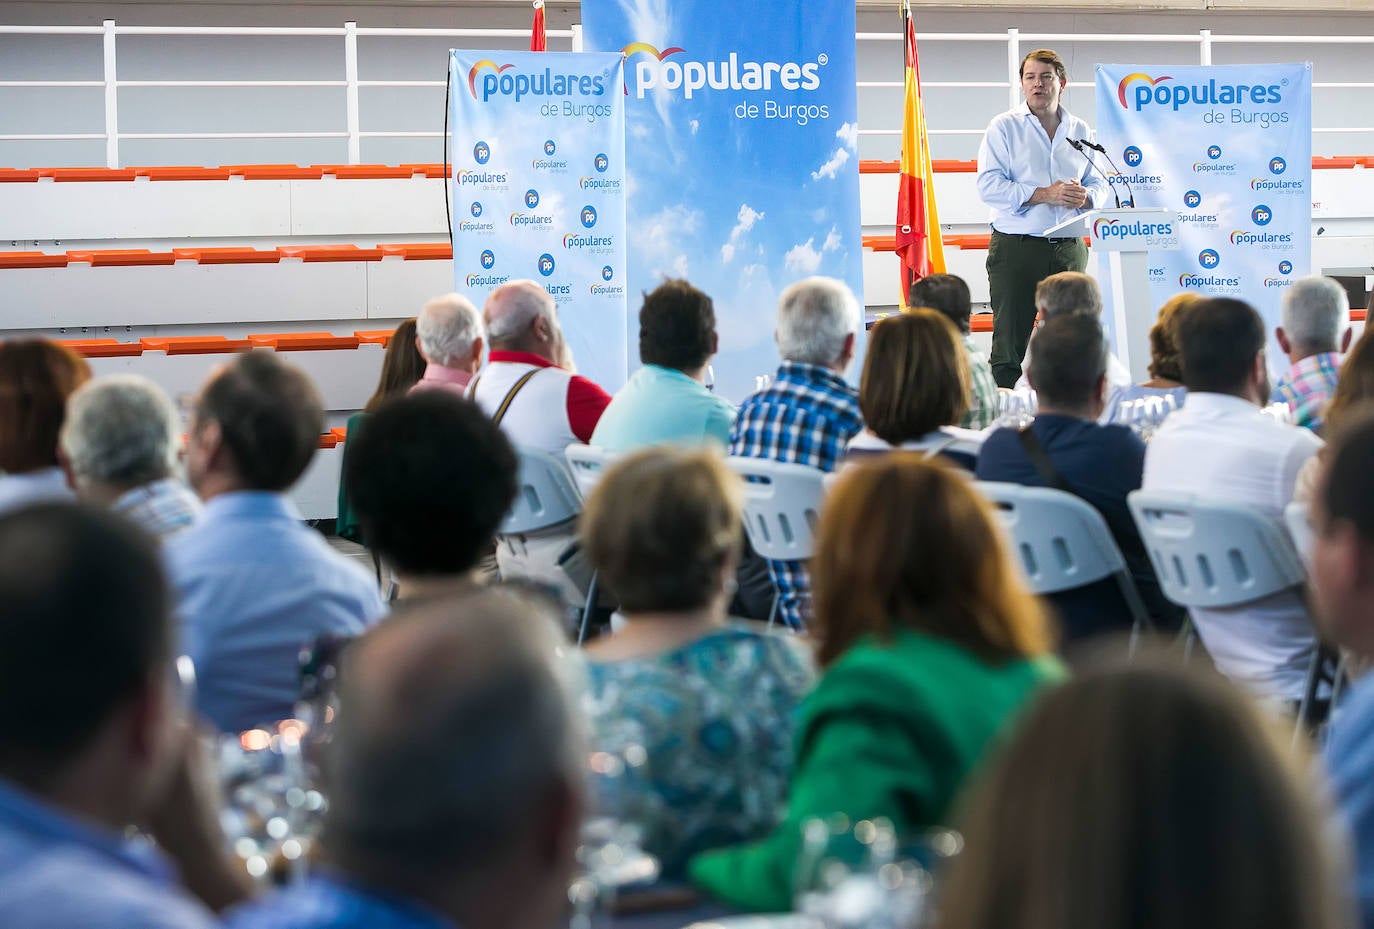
1032	178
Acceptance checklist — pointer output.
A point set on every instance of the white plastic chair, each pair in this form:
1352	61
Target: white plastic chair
546	495
781	508
1218	555
1064	543
588	463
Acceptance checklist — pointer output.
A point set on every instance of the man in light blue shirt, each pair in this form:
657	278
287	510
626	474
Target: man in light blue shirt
667	400
1342	518
458	761
1032	179
92	739
253	583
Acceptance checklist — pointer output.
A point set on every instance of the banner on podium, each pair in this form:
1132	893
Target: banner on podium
1229	149
743	153
538	189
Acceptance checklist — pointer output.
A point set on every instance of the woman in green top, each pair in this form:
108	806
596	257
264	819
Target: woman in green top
929	642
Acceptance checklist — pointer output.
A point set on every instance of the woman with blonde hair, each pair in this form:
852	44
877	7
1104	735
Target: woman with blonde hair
929	642
1141	797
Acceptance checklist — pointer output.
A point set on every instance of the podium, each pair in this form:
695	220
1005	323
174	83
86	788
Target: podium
1127	236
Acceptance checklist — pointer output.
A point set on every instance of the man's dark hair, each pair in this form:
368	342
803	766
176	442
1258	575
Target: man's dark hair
84	623
947	293
270	416
677	327
1218	340
1069	360
430	478
1348	493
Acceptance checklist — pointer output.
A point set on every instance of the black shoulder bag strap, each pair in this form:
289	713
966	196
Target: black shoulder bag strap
500	413
1055	478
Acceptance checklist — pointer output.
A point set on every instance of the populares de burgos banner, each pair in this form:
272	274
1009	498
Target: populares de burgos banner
742	156
1229	148
539	189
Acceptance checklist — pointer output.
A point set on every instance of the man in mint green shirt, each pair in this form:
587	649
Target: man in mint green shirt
667	400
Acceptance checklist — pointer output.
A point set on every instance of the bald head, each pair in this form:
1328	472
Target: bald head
457	750
520	316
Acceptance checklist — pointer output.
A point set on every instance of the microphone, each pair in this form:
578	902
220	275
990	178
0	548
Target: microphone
1079	145
1130	194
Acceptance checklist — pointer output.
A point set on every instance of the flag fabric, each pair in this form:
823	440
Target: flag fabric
539	41
920	249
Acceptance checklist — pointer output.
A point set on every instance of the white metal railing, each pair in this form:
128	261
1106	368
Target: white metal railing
352	83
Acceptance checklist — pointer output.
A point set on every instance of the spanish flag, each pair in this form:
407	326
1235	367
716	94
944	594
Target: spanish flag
538	39
920	248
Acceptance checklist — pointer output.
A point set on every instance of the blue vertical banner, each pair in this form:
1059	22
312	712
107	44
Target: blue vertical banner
1230	149
538	189
742	150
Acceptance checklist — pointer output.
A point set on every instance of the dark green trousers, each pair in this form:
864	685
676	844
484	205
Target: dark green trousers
1016	263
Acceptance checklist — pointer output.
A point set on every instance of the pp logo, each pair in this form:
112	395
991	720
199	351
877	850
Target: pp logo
1277	165
602	163
481	153
531	198
1285	267
1192	199
546	264
1208	258
475	209
488	260
549	147
1261	215
588	216
1132	156
607	273
1214	152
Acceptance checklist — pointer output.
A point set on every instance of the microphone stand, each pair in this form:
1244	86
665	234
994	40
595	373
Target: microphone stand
1081	146
1097	147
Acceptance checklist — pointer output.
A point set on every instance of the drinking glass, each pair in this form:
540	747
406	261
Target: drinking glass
850	876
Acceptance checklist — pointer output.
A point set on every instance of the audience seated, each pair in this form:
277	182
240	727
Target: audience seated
448	333
809	412
432	478
1145	796
1071	293
91	738
253	583
948	294
1066	449
930	642
914	388
1342	516
1166	372
456	777
712	704
1221	447
667	399
539	405
120	447
36	378
402	367
1315	331
1354	388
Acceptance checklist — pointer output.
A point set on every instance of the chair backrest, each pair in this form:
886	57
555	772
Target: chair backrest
1209	554
588	463
1062	541
546	495
781	506
1300	531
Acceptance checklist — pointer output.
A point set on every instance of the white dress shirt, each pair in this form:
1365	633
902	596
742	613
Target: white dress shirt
1224	448
1017	156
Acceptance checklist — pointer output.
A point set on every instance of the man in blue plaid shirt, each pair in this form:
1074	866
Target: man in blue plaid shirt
809	412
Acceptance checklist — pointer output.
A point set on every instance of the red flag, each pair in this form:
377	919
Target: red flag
538	40
920	248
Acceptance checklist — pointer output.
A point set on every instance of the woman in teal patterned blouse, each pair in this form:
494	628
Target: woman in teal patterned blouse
711	704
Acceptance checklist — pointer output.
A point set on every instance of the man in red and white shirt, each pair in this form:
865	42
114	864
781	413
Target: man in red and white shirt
541	404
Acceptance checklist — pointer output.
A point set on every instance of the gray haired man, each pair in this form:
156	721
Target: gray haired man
120	446
1316	317
448	333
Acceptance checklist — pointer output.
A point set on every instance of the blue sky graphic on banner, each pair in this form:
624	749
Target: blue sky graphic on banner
1229	148
538	185
743	157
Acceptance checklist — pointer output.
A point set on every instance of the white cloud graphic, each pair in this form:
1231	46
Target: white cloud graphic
664	236
832	240
696	125
833	166
803	259
744	221
849	133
